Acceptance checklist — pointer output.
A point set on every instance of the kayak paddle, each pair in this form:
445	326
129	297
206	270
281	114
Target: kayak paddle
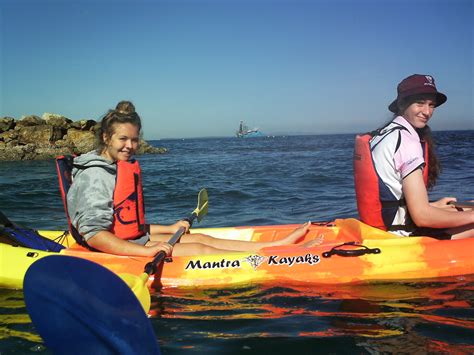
80	307
462	204
138	284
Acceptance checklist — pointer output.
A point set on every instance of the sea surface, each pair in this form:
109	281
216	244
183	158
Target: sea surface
259	181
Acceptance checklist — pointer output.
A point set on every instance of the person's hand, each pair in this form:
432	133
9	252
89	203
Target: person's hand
444	203
179	224
160	246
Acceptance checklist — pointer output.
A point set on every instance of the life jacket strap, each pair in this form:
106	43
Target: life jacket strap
64	165
392	204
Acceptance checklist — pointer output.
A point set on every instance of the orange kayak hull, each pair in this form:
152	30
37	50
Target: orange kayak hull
398	258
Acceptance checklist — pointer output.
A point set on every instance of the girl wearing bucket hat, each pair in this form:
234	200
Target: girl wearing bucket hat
396	164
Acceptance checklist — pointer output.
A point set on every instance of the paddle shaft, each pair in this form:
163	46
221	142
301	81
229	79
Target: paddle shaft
151	267
463	204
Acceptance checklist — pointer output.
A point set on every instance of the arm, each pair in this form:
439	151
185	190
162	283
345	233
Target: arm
434	215
90	205
109	243
444	203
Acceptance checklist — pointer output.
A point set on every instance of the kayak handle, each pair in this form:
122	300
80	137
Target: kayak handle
351	252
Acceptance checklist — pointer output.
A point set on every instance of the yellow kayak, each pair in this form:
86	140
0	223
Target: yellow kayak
346	251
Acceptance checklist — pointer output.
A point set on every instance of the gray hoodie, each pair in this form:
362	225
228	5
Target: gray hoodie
90	197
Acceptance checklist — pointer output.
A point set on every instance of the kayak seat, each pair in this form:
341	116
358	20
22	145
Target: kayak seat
13	234
351	229
64	165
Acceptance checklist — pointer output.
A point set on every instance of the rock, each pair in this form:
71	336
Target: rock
6	123
19	152
83	141
29	151
9	136
42	136
30	121
33	137
84	125
55	120
11	153
49	152
64	143
146	148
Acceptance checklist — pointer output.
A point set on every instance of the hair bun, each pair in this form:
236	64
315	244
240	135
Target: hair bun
125	107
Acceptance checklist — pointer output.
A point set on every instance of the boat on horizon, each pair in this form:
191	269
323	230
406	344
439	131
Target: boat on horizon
245	132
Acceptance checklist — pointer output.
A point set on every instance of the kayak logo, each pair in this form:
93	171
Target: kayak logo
276	260
309	258
255	261
222	264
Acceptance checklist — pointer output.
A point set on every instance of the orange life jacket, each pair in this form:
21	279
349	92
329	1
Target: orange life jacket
367	185
129	207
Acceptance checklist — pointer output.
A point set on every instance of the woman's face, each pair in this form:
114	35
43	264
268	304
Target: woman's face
123	143
419	112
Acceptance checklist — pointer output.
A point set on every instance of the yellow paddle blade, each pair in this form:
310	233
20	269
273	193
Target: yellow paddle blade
138	286
202	205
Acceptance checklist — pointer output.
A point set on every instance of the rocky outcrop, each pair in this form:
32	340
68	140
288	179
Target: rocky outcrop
35	138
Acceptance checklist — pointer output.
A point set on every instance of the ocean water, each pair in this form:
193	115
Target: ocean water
267	180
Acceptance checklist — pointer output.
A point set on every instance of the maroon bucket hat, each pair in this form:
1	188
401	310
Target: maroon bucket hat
414	85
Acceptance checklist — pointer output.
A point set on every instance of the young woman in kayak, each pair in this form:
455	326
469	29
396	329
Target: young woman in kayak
395	165
102	220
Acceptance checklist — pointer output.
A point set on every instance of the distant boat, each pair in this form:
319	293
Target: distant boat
245	132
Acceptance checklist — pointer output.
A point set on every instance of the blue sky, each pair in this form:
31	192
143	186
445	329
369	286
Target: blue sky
195	68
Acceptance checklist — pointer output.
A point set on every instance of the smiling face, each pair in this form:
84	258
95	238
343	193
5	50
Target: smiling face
123	142
419	112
